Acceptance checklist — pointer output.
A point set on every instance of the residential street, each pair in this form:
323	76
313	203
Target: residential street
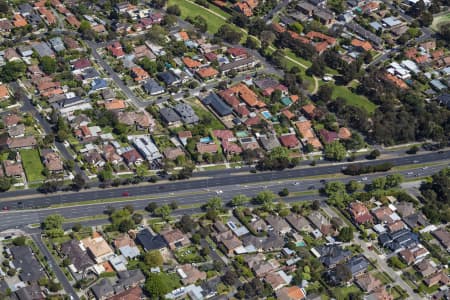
54	266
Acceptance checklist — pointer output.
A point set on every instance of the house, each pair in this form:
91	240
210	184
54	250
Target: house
150	242
229	241
307	133
207	73
328	136
217	105
396	226
79	258
57	44
331	255
52	161
269	141
291	293
25	50
320	222
169	116
277	280
4	92
399	240
26	142
25	261
173	153
426	267
368	283
11	54
383	214
32	291
278	224
413	255
299	223
175	239
416	220
440	277
13	168
146	147
247	95
126	246
169	78
183	136
116	50
360	213
139	74
379	294
355	28
81	64
187	114
190	274
98	248
152	87
443	236
405	209
135	293
309	110
99	84
140	120
262	267
344	133
43	49
103	289
289	141
357	265
238	65
271	242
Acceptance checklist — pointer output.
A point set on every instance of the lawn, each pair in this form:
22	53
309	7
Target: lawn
203	113
32	164
189	255
191	10
344	292
353	99
438	22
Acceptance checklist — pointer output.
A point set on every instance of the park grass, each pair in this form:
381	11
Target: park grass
439	21
353	99
191	10
32	164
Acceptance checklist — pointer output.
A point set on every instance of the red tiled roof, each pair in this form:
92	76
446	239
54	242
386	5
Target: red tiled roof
289	141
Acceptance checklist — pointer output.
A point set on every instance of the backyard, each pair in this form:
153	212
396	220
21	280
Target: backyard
188	255
32	164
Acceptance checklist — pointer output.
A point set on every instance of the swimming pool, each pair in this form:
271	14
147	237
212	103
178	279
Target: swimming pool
266	114
206	140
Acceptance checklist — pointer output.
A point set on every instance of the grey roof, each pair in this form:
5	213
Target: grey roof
217	104
168	77
129	252
108	94
444	99
270	242
130	278
265	83
269	142
400	239
152	87
332	254
79	258
102	289
169	115
90	73
3	286
298	222
30	292
43	49
186	112
25	8
150	241
356	28
24	259
357	264
57	44
416	219
236	64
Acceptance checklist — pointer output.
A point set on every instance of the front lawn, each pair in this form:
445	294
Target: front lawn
32	164
188	255
343	293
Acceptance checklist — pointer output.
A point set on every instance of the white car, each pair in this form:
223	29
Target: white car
364	179
218	192
327	78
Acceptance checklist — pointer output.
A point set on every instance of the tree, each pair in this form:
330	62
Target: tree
315	205
267	37
19	241
378	183
343	272
52	226
151	207
173	205
163	211
158	285
393	180
284	192
239	200
346	234
335	151
126	225
251	43
4	7
137	218
186	224
48	64
374	154
174	10
426	18
77	227
153	259
324	93
352	186
78	182
158	4
229	34
214	203
230	277
5	184
12	70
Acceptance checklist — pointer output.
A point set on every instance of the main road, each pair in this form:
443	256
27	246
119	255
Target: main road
28	199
